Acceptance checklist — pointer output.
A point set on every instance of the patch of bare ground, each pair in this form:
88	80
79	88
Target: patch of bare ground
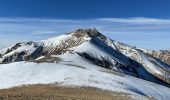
74	65
50	92
48	59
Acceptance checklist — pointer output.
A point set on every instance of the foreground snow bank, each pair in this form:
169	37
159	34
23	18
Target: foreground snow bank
73	70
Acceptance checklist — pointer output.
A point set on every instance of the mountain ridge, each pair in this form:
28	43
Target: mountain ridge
94	46
85	58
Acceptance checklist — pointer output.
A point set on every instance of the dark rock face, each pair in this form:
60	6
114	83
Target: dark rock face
14	58
37	53
13	48
89	32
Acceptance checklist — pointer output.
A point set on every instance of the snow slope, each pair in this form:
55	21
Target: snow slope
55	41
70	72
153	65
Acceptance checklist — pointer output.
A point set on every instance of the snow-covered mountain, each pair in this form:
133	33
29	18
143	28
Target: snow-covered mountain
98	51
21	52
163	55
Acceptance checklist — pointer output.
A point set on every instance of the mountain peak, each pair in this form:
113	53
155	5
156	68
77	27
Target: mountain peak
94	46
92	32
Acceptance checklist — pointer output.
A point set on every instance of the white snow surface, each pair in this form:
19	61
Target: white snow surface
151	67
56	40
96	52
92	50
74	70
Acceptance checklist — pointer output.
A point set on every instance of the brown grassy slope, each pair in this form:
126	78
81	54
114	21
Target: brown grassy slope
49	92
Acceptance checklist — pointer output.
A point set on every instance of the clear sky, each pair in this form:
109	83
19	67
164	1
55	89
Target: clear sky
77	9
143	23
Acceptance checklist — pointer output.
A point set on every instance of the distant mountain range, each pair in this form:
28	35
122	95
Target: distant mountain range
94	48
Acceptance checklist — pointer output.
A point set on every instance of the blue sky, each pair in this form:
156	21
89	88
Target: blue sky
143	23
78	9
